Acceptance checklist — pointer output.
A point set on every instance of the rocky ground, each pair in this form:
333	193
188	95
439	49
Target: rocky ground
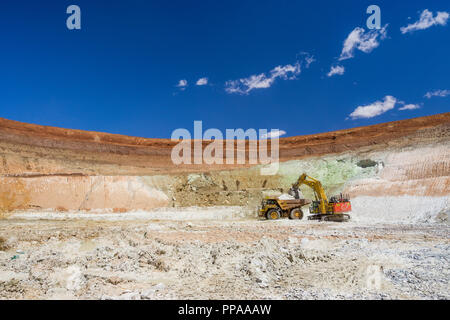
139	257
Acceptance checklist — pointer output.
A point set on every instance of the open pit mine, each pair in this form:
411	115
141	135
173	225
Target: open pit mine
90	215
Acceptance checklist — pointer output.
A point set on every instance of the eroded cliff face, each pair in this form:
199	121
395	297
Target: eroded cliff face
45	168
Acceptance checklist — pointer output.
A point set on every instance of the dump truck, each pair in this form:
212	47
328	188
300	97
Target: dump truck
275	208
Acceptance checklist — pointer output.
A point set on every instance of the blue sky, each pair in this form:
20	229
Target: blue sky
120	73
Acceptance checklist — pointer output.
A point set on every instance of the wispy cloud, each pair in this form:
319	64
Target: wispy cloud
409	107
182	84
374	109
308	59
339	70
426	21
262	81
202	82
361	40
437	93
266	80
273	134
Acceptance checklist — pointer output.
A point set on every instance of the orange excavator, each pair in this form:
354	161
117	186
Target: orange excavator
321	208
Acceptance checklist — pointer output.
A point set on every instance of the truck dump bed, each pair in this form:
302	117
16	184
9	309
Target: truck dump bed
290	204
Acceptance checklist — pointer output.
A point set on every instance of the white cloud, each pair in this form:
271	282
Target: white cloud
426	21
437	93
263	80
306	57
308	60
339	70
374	109
182	84
202	82
273	134
285	71
410	107
362	40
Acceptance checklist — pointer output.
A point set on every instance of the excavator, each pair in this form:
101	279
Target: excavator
321	208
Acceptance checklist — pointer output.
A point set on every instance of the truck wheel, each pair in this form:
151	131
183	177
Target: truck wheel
296	214
273	214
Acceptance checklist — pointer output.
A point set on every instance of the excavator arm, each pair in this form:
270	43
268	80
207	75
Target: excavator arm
314	184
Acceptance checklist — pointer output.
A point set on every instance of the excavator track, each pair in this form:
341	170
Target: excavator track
330	217
336	218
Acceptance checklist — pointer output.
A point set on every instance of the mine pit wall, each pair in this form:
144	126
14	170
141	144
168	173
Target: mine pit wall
376	170
85	193
397	180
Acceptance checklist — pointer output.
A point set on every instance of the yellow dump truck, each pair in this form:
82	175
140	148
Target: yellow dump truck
274	208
